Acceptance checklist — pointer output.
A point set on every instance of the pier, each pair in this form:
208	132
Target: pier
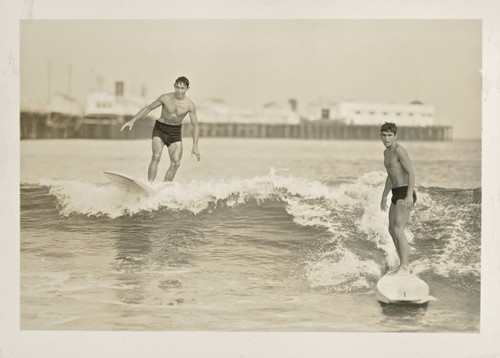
43	126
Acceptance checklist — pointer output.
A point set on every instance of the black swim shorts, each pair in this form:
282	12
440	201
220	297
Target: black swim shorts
168	133
400	193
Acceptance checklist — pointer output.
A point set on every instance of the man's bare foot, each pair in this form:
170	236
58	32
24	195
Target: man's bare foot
403	270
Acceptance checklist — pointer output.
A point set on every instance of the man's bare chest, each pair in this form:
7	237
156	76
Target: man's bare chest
175	108
391	160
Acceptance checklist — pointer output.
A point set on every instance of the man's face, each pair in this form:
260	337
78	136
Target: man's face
180	89
388	138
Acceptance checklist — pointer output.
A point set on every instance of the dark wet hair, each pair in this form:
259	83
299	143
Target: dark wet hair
389	127
182	79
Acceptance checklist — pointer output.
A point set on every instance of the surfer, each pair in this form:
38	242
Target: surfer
168	128
401	181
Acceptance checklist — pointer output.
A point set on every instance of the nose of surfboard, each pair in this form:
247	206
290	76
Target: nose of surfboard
130	184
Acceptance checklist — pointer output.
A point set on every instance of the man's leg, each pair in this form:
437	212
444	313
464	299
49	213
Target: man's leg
175	154
399	220
392	224
157	147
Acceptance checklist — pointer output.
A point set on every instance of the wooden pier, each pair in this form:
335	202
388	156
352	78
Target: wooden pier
43	126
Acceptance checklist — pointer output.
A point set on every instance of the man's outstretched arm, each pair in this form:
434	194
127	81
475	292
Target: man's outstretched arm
142	113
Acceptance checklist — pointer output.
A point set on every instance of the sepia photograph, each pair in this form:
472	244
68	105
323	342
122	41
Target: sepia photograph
250	177
246	195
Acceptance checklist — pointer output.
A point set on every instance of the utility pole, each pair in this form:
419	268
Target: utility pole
100	81
69	80
49	80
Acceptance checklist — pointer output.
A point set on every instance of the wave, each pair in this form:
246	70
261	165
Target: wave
443	232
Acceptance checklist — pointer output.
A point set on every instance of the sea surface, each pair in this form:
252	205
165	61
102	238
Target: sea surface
260	235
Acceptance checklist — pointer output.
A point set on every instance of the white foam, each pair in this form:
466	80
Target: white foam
342	270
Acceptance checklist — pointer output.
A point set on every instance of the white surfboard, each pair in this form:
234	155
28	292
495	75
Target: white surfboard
129	183
402	288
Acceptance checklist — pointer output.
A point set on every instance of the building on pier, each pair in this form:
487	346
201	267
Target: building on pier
104	114
412	114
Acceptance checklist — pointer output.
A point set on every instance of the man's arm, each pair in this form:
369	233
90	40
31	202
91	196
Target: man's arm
405	161
387	189
142	113
194	123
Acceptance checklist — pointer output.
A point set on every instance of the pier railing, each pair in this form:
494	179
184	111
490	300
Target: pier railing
42	126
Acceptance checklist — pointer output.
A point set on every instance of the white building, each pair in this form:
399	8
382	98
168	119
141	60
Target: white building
375	113
105	104
216	111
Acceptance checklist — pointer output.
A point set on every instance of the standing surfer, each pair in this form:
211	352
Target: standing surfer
168	128
401	181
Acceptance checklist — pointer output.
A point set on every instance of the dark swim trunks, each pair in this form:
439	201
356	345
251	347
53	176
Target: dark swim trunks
168	133
400	193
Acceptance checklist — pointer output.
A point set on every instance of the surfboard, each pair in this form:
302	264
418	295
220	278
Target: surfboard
402	288
130	184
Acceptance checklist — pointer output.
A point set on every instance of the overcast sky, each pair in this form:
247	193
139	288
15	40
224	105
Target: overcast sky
250	62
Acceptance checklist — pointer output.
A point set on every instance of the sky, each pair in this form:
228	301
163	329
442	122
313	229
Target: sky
247	62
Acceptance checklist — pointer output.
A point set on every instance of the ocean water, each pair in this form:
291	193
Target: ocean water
260	235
